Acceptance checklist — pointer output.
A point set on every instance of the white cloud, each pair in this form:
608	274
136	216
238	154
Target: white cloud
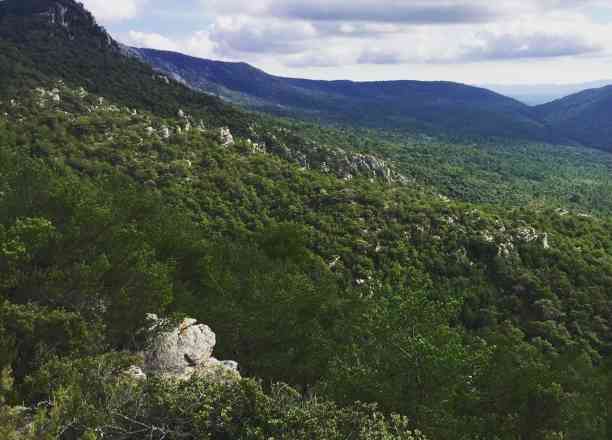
114	10
243	34
538	45
323	38
151	41
198	44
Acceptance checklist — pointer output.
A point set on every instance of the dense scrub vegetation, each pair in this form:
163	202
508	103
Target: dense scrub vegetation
472	320
488	171
350	290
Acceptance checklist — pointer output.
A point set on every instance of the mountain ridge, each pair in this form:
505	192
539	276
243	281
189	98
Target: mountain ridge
584	117
421	105
430	106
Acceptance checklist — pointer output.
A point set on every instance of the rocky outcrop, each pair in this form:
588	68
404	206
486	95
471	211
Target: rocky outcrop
183	351
227	139
342	163
366	165
135	373
165	132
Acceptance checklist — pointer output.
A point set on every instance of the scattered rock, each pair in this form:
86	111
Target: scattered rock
527	234
488	237
135	373
81	92
505	249
545	242
334	262
165	132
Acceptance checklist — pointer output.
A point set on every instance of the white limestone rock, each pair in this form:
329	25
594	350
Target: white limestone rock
81	92
179	351
227	139
135	373
527	234
184	351
165	132
545	241
215	369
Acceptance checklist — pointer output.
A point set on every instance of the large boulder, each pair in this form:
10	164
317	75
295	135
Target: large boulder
184	350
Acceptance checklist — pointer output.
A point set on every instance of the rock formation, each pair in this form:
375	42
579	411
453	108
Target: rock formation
227	139
184	351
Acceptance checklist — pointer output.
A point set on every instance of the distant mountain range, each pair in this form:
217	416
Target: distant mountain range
437	107
434	107
538	94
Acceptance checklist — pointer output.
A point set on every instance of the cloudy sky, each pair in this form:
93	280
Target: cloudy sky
473	41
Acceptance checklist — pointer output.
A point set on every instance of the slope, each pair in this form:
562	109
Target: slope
584	117
42	40
406	105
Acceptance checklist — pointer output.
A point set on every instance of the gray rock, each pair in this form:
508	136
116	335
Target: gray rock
165	133
545	241
185	351
218	370
179	351
227	139
135	373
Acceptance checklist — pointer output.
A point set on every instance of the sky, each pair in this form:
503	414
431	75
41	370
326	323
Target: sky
471	41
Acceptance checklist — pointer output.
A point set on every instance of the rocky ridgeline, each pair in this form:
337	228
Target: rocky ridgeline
76	102
182	352
344	164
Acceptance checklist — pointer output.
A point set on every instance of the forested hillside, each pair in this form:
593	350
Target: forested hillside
582	117
504	173
349	278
